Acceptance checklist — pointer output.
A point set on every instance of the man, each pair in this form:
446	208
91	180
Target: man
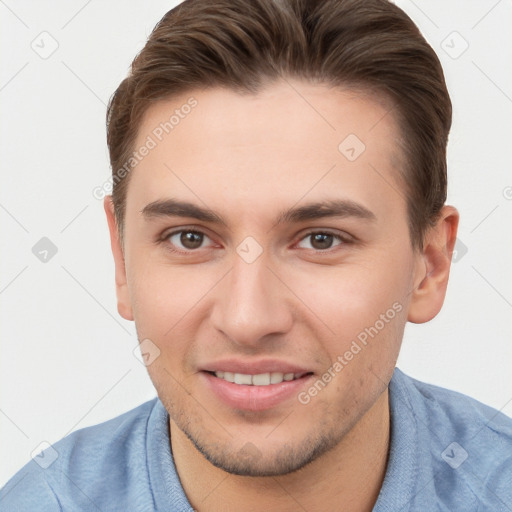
278	215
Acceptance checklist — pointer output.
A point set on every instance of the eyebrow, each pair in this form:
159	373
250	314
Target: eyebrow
342	208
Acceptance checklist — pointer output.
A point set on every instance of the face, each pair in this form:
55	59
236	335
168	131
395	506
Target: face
265	245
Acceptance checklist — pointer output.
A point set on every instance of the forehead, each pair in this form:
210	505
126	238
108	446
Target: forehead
289	141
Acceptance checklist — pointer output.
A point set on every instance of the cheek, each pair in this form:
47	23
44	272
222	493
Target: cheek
164	295
362	308
170	308
352	297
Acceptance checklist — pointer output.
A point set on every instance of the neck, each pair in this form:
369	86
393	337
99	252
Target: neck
351	473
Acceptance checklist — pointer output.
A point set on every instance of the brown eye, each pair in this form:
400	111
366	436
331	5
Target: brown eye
186	239
321	240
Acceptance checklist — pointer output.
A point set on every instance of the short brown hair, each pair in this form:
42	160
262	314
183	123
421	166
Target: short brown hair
244	44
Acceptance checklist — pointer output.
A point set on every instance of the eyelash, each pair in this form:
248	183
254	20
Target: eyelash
342	239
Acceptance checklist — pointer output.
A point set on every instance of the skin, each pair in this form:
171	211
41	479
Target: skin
248	158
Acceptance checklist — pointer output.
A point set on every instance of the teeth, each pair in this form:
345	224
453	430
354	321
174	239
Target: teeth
241	378
276	378
262	379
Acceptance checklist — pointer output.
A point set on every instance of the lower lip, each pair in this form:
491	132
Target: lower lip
254	398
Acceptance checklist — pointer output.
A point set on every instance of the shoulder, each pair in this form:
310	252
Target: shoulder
455	412
87	463
470	443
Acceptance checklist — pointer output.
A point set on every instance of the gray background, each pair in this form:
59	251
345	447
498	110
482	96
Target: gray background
67	358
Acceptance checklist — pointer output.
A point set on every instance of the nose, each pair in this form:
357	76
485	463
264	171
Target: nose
252	305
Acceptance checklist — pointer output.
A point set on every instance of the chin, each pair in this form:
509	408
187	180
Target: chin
254	461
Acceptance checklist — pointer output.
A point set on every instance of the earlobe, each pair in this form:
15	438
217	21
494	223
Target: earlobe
123	297
433	268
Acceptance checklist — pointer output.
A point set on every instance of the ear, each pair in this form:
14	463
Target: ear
123	297
433	268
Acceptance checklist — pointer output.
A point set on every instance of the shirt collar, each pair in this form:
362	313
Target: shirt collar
163	477
409	474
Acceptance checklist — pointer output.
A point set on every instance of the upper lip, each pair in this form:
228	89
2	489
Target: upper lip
254	367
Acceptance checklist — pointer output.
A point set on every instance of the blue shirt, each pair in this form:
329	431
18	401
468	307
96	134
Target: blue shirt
448	452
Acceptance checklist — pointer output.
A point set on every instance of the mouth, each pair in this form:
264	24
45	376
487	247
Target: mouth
258	391
260	379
